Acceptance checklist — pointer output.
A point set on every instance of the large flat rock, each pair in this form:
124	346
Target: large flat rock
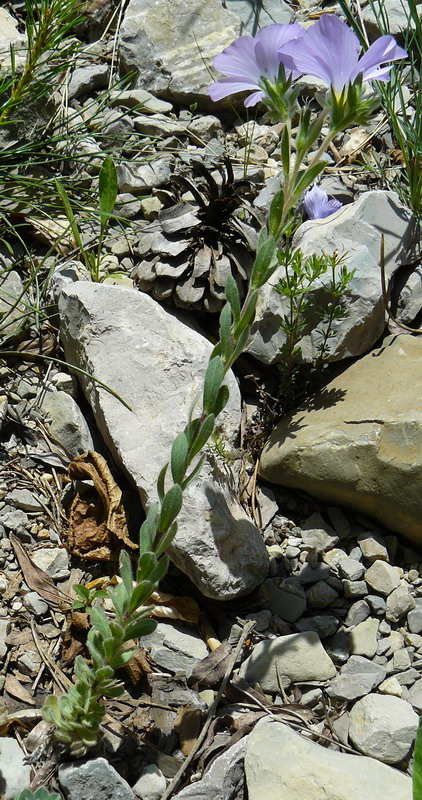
157	362
282	765
355	233
169	45
360	443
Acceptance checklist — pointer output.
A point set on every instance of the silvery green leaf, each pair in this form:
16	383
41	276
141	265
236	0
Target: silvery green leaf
125	570
178	457
212	382
171	505
202	436
232	294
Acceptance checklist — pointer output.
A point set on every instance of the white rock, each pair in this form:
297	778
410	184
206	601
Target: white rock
15	774
93	778
399	603
382	577
297	657
157	362
383	727
53	560
364	638
173	60
150	784
355	232
280	764
67	423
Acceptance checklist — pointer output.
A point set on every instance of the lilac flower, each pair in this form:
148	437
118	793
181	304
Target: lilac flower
330	50
317	205
249	59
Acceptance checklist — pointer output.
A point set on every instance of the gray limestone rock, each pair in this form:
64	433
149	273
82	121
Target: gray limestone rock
351	569
286	599
156	362
382	577
372	546
383	727
364	638
280	764
255	16
224	780
399	603
67	423
53	560
320	595
93	779
150	784
323	624
357	613
87	79
414	617
175	647
362	448
295	657
15	774
357	678
169	46
354	232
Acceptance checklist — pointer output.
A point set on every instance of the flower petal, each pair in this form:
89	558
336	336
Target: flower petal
269	40
380	52
226	86
317	205
329	50
238	59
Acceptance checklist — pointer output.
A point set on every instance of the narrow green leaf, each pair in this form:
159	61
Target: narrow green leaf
140	595
263	266
160	483
120	599
148	529
247	317
99	621
107	188
146	565
172	503
232	295
225	331
203	435
285	154
223	396
166	539
125	570
212	382
122	658
141	627
194	474
179	452
240	346
71	217
160	570
305	178
417	764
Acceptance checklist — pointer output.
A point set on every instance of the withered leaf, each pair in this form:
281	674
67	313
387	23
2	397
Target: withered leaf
187	725
38	580
15	689
97	523
172	607
210	671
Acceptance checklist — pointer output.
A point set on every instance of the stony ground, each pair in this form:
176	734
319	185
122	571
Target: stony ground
293	604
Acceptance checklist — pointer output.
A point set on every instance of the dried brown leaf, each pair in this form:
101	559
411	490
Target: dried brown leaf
97	524
15	689
38	580
172	607
187	726
210	671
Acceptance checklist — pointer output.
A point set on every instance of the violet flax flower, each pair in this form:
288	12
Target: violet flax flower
329	50
249	59
317	205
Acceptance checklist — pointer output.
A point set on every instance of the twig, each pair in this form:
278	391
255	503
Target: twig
247	628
